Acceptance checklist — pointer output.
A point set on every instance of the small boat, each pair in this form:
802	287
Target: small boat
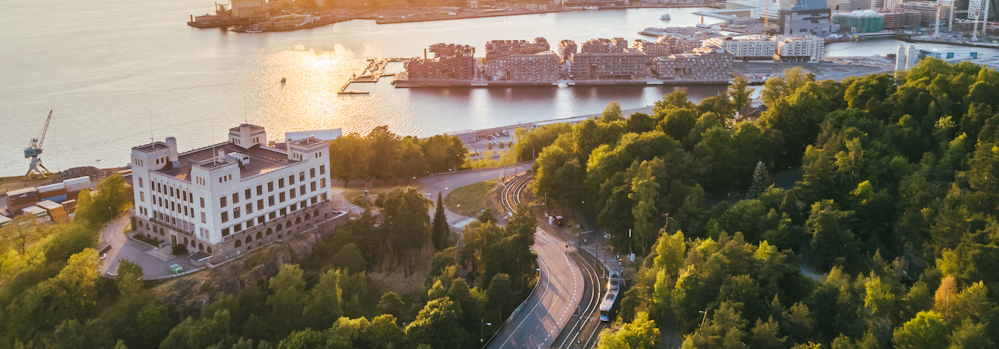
283	80
590	8
665	17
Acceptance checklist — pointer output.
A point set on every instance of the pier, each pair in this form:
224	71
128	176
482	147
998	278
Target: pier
374	71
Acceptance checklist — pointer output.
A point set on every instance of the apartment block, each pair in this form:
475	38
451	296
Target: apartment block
225	199
539	67
808	49
501	48
450	62
746	49
609	59
666	45
704	64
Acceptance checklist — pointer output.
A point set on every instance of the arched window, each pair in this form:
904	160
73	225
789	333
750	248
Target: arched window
185	241
307	216
288	225
249	239
316	213
201	247
239	243
298	220
192	243
260	234
209	249
278	228
269	231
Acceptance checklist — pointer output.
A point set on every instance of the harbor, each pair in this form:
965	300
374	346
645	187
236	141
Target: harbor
374	71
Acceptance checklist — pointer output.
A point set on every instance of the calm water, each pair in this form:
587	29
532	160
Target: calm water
118	73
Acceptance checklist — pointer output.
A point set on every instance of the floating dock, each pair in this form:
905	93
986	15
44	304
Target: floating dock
374	71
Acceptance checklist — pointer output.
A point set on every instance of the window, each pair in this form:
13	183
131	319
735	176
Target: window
312	173
185	210
270	200
322	182
280	183
142	196
225	216
291	179
202	202
271	215
281	197
235	198
140	182
260	204
235	213
248	193
222	201
301	176
225	232
249	224
260	220
249	208
301	190
260	190
322	169
204	218
313	186
291	193
284	211
270	186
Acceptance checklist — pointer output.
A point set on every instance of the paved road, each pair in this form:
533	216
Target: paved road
445	183
540	319
125	248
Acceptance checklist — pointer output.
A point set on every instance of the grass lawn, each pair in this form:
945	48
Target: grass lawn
471	199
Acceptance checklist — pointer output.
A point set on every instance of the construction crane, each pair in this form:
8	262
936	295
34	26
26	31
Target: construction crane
33	150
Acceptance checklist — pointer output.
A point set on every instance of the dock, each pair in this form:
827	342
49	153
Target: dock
374	71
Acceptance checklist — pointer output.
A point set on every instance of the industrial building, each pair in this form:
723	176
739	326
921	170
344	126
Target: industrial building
746	49
450	62
538	67
860	21
808	49
224	199
705	64
603	59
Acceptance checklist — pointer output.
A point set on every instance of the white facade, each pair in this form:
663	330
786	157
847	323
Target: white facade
752	48
800	48
212	197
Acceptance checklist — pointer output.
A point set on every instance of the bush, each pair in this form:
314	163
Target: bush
179	249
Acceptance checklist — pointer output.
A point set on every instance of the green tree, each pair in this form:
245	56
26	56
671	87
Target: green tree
349	158
926	330
408	223
440	231
739	90
288	298
641	333
391	304
501	294
152	323
129	278
199	333
439	325
611	113
645	192
325	299
350	259
761	181
832	243
970	335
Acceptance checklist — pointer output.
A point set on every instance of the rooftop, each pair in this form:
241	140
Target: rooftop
252	128
151	147
262	160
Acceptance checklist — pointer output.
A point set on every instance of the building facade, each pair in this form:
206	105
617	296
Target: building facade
227	198
450	62
705	64
540	67
666	45
603	59
501	48
808	49
804	17
567	48
746	49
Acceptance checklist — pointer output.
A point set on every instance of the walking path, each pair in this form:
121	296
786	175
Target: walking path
155	263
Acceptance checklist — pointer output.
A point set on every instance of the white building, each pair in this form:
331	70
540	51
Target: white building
751	48
800	48
227	198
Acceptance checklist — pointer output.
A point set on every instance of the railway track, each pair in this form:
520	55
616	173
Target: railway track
584	326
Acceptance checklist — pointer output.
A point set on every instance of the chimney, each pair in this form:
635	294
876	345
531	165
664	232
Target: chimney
172	144
221	154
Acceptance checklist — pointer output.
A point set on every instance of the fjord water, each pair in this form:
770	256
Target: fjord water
119	73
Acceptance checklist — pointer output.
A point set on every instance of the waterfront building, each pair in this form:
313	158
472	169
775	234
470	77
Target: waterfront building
246	8
849	5
501	48
904	20
666	45
805	17
800	48
704	64
567	48
746	49
450	62
586	3
609	59
538	67
224	199
860	21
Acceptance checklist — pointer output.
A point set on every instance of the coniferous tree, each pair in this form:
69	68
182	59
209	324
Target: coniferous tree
761	181
440	230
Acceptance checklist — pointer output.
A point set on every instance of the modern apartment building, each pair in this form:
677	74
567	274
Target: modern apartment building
805	17
808	49
666	45
501	48
539	67
566	49
227	198
746	49
603	59
450	62
704	64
